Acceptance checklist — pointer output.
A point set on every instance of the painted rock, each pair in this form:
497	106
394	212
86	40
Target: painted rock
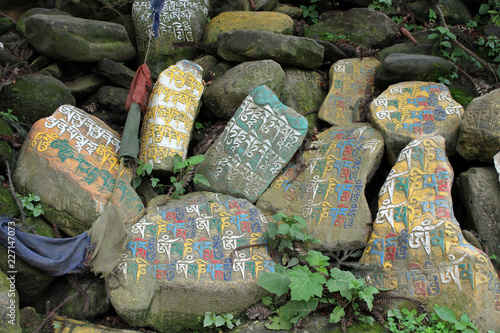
201	253
414	109
70	160
350	81
179	21
256	144
327	187
479	135
417	246
173	106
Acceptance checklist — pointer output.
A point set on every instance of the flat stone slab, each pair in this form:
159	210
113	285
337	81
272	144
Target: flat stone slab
70	160
327	187
350	81
479	135
256	144
415	109
173	106
417	246
186	258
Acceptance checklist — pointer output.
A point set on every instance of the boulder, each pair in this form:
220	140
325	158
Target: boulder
85	85
256	144
480	193
78	154
9	304
417	246
327	187
412	110
226	92
351	80
247	45
276	22
188	257
21	23
79	40
180	21
479	138
398	67
116	72
8	206
102	10
168	123
35	96
366	27
6	151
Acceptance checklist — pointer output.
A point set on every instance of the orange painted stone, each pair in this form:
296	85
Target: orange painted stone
417	246
410	110
328	190
70	160
350	81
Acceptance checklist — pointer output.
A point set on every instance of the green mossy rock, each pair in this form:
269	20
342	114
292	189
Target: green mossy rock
9	305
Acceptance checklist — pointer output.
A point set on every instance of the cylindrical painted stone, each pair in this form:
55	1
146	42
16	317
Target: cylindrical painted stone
173	106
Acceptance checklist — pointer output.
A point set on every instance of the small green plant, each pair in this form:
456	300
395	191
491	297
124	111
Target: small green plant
492	45
214	320
8	116
142	171
335	37
310	12
380	4
183	170
493	9
31	204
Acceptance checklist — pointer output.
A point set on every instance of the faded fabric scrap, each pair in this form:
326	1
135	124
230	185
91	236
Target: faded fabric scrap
54	256
140	88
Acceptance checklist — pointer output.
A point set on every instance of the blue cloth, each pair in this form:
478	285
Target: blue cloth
156	7
54	256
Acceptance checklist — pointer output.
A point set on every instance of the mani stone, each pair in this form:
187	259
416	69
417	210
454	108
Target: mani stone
256	144
184	258
411	110
278	23
480	193
70	160
327	187
173	106
479	135
350	81
417	246
180	21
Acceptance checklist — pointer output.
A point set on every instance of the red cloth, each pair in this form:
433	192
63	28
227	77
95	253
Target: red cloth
140	88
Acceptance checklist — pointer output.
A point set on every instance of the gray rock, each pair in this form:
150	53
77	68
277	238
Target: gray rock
113	99
479	136
480	193
95	9
7	59
257	143
398	67
117	73
35	96
79	40
85	85
405	48
365	27
180	21
94	304
21	23
9	304
327	187
226	93
247	45
177	264
208	64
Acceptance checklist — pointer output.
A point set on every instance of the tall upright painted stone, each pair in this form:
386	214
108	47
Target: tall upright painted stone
173	106
70	160
410	110
256	144
188	257
327	187
417	246
180	21
350	81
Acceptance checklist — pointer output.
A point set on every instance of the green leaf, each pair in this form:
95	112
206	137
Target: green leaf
275	282
208	320
293	261
219	321
267	300
337	314
367	319
199	178
279	216
195	160
316	258
305	284
433	36
154	182
300	220
149	168
272	229
36	198
177	159
446	314
446	44
298	309
179	166
368	298
30	206
340	280
484	8
283	229
279	323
